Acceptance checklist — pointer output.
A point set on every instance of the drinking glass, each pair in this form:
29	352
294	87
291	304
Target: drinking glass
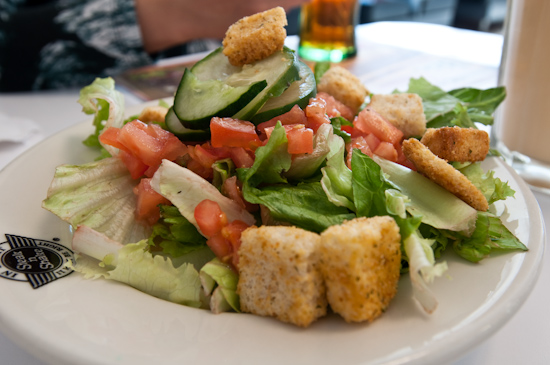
521	131
327	30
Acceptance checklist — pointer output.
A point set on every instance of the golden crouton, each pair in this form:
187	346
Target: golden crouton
344	87
153	114
360	261
443	174
279	274
457	144
255	37
404	111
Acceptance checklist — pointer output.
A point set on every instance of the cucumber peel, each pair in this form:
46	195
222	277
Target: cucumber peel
197	101
299	92
185	134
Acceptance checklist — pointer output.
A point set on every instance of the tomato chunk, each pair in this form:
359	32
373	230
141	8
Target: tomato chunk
233	133
147	143
316	113
294	116
368	121
148	201
210	217
335	108
300	138
386	150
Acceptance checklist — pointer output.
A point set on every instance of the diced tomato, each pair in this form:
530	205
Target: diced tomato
300	139
241	157
294	116
136	167
402	159
223	238
347	128
110	137
233	190
203	156
336	108
316	113
368	121
210	217
359	143
221	246
386	150
148	201
233	133
148	143
232	232
372	141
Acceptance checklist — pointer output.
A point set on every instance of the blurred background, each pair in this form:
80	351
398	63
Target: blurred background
482	15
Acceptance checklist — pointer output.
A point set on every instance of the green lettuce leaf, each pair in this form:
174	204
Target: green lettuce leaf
155	275
492	187
270	161
219	282
107	104
489	236
461	107
305	205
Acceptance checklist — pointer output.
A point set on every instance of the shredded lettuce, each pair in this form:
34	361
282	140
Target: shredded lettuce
492	187
99	195
102	99
219	282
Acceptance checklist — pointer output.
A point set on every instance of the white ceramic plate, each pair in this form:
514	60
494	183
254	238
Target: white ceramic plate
71	320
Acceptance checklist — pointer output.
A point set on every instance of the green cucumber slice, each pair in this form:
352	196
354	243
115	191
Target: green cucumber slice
185	134
279	70
215	66
299	92
197	101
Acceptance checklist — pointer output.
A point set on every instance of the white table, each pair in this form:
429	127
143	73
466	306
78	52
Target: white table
390	54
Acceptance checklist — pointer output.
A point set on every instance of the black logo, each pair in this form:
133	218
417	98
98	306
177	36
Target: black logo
36	261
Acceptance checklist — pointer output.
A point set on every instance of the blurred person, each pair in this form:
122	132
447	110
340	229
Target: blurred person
53	44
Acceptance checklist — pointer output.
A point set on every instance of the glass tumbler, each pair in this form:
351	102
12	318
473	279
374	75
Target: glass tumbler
327	30
521	131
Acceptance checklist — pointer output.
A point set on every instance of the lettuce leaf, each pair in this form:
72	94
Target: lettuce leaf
107	104
219	282
492	187
489	236
461	107
99	195
155	275
270	161
305	205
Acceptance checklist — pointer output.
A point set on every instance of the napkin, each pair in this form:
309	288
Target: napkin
17	129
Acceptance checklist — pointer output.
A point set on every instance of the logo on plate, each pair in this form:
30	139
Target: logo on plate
36	261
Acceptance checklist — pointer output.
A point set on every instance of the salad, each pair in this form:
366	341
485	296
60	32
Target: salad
163	207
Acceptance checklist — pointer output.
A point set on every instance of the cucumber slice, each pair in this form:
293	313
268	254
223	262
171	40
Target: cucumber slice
197	101
279	70
185	134
215	66
299	92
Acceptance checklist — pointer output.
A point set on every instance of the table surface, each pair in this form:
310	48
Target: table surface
389	55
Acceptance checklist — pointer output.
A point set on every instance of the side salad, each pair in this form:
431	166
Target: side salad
163	206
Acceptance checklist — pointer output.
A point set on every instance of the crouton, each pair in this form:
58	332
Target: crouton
360	262
457	144
404	111
344	87
255	37
279	274
153	114
443	174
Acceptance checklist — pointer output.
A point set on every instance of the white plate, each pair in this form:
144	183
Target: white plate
72	320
